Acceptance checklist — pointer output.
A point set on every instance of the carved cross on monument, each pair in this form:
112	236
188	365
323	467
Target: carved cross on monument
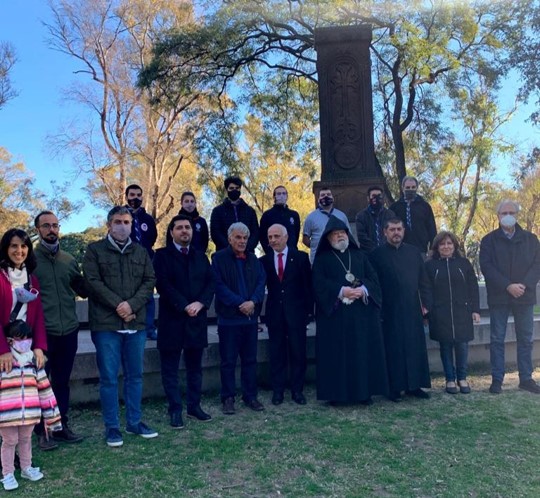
346	115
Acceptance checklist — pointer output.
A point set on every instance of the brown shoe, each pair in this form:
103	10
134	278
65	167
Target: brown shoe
228	406
66	435
255	405
46	444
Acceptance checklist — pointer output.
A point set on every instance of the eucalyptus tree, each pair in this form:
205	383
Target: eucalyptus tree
129	136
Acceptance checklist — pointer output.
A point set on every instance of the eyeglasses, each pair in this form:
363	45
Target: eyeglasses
504	213
48	226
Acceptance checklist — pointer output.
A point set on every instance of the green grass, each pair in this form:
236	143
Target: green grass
477	445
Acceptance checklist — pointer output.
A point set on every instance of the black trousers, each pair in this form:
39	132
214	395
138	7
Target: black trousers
287	346
61	351
170	362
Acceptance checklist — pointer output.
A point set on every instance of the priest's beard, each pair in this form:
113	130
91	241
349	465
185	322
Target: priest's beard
341	246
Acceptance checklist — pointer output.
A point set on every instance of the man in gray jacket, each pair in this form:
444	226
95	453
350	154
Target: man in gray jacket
119	277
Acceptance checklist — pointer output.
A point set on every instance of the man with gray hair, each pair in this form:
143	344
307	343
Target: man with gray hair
510	263
119	278
416	214
240	280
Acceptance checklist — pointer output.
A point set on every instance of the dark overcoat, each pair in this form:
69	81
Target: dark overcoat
349	345
405	288
181	280
455	298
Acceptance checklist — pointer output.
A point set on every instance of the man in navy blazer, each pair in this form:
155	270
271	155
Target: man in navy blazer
288	306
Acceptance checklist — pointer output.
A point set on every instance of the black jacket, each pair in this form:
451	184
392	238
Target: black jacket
505	261
291	299
367	222
147	227
229	294
181	280
200	230
423	224
455	298
284	216
227	213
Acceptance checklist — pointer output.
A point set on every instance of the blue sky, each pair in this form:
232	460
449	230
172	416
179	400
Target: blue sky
40	76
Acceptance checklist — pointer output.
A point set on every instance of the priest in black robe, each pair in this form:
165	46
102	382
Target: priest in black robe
349	346
406	298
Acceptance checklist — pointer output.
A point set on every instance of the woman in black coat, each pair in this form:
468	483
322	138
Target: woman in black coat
456	305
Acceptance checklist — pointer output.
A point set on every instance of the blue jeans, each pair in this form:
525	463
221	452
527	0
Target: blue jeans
461	350
113	349
523	325
233	341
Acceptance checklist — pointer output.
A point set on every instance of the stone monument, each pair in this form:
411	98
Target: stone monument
346	115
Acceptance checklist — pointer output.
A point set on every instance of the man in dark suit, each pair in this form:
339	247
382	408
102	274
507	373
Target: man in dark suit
185	283
288	305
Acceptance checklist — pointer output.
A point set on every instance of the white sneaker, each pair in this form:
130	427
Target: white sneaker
32	474
10	482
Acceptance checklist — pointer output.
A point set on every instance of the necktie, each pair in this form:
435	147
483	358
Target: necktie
280	266
184	250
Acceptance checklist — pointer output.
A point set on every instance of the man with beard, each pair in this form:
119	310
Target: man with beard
60	280
416	215
406	298
119	277
200	237
281	214
349	345
316	221
371	220
185	284
233	210
144	232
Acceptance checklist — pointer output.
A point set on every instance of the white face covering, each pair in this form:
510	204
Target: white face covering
22	345
120	232
508	221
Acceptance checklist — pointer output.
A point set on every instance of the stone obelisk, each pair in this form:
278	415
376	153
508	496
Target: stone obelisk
346	115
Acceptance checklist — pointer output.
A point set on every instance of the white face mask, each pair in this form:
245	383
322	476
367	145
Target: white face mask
120	232
508	221
22	345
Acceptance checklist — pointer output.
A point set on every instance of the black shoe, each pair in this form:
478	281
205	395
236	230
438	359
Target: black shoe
66	435
451	389
228	406
367	402
530	385
277	398
496	387
255	405
395	396
46	444
198	413
176	420
299	398
419	393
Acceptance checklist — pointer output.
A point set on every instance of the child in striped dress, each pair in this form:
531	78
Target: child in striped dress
25	395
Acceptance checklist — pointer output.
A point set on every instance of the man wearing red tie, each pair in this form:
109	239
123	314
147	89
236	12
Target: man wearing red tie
288	306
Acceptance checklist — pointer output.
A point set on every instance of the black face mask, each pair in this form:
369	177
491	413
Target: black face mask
376	202
134	203
326	201
233	195
409	195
